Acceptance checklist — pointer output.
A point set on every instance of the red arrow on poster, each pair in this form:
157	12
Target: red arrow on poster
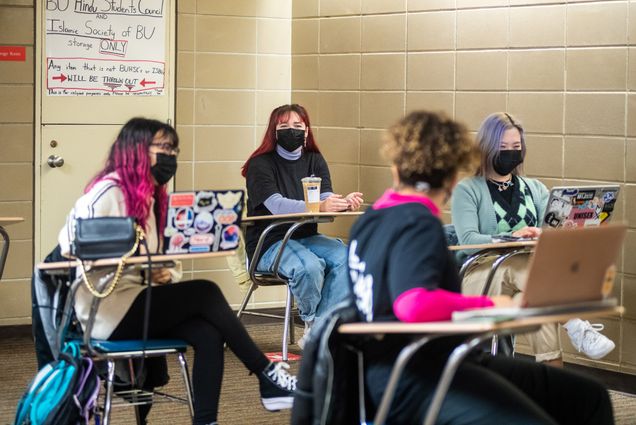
60	77
144	82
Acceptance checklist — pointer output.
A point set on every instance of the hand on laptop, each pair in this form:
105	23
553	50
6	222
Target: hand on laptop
503	301
527	232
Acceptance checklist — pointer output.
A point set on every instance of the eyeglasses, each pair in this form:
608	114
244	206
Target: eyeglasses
167	147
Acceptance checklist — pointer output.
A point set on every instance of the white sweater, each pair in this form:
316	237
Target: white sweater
105	199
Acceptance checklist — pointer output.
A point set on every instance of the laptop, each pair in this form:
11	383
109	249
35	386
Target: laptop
203	221
570	270
580	206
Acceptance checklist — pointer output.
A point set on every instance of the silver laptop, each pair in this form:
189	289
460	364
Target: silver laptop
580	206
570	270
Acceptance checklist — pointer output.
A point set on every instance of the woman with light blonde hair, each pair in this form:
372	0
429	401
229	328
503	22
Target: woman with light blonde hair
500	201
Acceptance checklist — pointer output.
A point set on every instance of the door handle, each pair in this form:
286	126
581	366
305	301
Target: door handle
55	161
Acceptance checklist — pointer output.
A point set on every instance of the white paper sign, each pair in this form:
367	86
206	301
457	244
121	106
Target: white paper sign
105	47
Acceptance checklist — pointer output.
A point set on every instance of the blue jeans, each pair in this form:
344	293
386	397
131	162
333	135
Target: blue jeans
316	267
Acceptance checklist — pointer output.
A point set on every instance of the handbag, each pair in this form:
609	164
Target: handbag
105	237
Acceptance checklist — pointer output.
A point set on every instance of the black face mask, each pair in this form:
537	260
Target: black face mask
164	169
290	139
507	161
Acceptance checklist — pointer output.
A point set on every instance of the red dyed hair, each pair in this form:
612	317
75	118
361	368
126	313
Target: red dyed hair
279	115
129	158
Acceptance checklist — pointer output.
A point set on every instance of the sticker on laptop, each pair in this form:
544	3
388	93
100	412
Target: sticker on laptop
230	237
181	200
203	222
206	201
177	241
228	200
183	218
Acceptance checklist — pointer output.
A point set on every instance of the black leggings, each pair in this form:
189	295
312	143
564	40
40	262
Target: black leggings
197	312
493	389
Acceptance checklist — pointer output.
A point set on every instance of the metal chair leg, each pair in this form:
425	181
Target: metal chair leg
454	360
246	299
108	397
400	363
133	395
292	330
5	249
286	328
186	379
494	345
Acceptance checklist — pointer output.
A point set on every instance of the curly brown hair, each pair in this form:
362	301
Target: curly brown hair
429	147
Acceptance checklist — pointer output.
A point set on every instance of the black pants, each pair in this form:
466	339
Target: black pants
197	312
489	390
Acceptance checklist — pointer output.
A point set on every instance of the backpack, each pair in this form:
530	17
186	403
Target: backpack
327	391
49	294
64	392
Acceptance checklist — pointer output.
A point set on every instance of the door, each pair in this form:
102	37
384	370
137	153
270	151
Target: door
70	156
98	66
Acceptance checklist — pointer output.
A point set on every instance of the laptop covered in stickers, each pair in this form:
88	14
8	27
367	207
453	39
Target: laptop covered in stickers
203	221
580	206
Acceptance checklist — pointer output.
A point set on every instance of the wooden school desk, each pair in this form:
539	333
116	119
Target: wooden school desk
476	333
160	259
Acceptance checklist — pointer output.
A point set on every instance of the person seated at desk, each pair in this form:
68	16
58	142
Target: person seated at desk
401	269
314	264
142	160
499	201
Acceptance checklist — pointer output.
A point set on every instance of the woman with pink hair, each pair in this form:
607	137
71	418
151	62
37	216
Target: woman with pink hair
133	183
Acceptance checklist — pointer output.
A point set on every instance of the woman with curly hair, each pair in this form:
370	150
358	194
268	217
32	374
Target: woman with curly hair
401	269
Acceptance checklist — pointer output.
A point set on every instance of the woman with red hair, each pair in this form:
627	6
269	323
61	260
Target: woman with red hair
141	162
315	265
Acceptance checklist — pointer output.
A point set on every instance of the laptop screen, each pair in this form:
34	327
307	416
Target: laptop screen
580	206
203	221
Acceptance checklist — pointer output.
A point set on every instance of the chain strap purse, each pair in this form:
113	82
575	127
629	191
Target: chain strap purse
105	237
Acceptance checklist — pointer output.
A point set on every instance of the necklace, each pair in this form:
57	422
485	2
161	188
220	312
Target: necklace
501	186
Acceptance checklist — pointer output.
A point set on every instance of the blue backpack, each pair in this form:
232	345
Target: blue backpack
64	392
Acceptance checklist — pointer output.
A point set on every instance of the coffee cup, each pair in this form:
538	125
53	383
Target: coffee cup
311	190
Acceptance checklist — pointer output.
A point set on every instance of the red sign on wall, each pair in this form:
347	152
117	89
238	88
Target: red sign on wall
13	53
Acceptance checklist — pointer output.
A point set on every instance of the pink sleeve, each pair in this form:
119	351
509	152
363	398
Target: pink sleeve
422	305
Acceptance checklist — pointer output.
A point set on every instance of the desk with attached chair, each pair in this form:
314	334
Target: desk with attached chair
111	351
476	333
504	251
273	278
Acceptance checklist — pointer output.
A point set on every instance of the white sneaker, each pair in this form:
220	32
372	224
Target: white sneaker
586	338
301	342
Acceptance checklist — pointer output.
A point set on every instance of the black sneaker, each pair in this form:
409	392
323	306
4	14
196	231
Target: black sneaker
277	387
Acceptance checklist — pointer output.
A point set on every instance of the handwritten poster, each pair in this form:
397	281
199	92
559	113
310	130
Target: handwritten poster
105	47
